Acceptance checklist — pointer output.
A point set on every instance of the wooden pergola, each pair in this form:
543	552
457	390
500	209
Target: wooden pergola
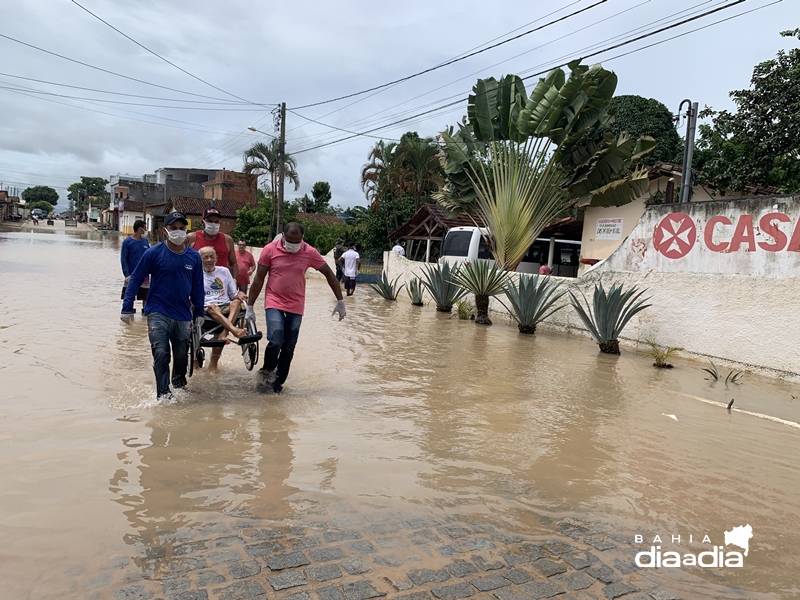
430	224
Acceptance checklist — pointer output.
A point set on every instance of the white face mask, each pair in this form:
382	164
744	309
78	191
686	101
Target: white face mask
212	228
177	237
290	247
144	235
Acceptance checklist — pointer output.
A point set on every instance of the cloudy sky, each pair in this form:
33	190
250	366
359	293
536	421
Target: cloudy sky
258	54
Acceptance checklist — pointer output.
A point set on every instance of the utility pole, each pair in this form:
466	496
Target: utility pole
144	200
688	149
281	167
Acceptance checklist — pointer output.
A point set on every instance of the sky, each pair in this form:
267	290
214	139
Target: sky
251	56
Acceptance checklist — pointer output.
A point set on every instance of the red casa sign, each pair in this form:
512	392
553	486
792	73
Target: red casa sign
676	234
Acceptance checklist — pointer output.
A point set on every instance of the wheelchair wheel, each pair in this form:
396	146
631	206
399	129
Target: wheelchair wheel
250	355
190	366
200	356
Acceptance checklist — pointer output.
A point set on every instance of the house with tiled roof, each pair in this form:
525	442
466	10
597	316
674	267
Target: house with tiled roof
194	208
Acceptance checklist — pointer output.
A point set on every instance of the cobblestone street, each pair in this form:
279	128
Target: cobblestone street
402	556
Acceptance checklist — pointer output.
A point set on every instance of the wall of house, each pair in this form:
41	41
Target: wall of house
126	220
738	308
595	247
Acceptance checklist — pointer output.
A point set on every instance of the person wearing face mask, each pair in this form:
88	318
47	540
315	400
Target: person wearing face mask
221	242
133	248
176	297
286	260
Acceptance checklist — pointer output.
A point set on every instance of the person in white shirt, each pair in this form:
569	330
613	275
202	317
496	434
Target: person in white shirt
223	301
351	262
399	247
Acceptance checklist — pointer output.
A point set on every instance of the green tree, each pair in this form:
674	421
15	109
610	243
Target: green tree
40	193
264	159
80	194
321	193
519	161
45	206
758	143
256	224
640	116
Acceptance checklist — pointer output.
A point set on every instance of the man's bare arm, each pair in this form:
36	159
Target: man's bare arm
233	266
332	281
258	283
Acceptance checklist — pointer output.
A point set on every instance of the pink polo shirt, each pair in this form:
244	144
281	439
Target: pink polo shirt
286	286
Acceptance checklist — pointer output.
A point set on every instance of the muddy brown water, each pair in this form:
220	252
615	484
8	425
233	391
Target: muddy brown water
397	409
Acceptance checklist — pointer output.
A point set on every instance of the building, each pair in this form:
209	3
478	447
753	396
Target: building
159	188
135	210
231	185
11	207
604	229
194	208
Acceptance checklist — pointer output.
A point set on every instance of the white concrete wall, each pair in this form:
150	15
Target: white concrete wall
744	315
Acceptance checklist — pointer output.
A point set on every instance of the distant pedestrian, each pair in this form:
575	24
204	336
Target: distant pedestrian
338	250
133	249
351	263
246	264
285	261
399	247
176	297
545	270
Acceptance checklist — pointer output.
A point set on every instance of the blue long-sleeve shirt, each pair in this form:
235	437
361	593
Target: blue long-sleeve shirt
131	253
176	283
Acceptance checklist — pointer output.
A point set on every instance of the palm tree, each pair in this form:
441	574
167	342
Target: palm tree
379	177
422	173
263	159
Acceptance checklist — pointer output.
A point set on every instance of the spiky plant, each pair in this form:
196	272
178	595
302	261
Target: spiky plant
465	308
483	281
660	357
712	371
387	289
609	313
438	281
532	300
414	290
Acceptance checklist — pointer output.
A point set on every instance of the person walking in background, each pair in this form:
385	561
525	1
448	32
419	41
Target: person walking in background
221	242
338	250
286	261
133	249
176	296
246	265
351	262
399	247
545	270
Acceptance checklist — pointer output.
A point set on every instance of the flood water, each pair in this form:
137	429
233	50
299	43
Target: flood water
395	410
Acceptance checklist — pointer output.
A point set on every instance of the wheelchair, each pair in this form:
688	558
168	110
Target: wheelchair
206	336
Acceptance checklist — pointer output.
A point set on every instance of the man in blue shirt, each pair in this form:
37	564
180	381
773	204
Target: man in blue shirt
133	248
176	296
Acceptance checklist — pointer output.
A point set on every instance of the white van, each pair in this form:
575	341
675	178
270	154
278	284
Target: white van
468	244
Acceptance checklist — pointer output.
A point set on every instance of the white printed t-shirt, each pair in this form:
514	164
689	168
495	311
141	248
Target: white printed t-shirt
219	286
351	263
399	249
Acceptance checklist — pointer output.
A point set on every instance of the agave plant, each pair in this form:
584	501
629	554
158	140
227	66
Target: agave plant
532	300
610	314
483	281
660	356
387	289
438	281
414	290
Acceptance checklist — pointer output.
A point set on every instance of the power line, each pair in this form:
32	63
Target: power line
113	115
624	43
455	60
182	70
163	87
87	89
457	56
294	112
366	121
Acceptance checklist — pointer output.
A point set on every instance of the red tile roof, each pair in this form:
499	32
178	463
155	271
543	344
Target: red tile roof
196	206
319	218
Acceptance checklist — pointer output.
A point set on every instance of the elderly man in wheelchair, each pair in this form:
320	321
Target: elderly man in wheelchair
224	315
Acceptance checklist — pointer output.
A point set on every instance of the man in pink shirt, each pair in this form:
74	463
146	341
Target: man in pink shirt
286	260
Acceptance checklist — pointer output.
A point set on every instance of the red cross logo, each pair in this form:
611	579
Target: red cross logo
675	235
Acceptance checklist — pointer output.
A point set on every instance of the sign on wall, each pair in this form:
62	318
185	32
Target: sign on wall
752	236
609	229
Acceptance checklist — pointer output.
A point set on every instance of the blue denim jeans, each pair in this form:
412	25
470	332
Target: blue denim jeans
162	332
283	329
